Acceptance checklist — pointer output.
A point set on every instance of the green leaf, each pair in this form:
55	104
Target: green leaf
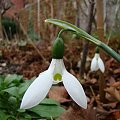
23	87
50	102
69	26
12	100
2	85
21	110
2	77
85	35
11	117
28	116
12	78
12	91
3	116
48	111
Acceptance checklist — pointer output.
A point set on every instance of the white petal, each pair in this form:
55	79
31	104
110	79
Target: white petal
97	55
57	66
52	65
94	64
56	82
37	91
74	88
101	65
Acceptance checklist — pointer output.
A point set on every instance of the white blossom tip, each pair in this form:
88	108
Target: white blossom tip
37	91
97	63
75	89
101	65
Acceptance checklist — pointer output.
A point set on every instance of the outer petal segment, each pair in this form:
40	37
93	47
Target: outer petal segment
37	91
101	65
75	90
94	64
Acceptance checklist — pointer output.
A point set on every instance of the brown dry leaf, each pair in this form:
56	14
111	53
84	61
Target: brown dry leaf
111	80
92	81
102	113
59	94
109	105
115	115
72	72
116	71
116	84
113	92
110	117
109	63
78	114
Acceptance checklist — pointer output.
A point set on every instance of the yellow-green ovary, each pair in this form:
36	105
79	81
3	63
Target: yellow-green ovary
57	77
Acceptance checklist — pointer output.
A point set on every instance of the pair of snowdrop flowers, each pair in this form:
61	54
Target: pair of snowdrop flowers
97	63
56	73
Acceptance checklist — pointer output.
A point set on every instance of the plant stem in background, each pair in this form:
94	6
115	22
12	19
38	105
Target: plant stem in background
38	16
1	34
52	16
59	13
100	31
86	43
77	13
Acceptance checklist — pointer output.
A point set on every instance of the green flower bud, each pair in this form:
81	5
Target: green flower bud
58	48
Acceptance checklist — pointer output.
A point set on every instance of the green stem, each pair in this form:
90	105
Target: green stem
63	30
103	46
97	49
83	34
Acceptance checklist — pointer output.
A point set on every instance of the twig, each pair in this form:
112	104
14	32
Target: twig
100	31
92	91
29	40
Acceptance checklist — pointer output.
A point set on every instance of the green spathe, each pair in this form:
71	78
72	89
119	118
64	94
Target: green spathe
58	48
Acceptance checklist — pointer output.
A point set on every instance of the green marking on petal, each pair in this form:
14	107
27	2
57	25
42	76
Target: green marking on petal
57	77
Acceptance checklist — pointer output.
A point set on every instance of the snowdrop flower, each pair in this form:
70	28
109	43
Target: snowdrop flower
97	63
56	73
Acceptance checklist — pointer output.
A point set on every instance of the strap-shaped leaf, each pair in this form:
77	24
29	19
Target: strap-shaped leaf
83	34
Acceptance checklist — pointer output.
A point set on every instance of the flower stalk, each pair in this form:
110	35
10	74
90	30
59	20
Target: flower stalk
86	36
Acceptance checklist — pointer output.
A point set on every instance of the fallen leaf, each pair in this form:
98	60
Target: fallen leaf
116	84
79	114
116	71
113	92
59	94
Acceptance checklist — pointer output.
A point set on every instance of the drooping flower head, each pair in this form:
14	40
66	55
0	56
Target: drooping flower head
97	62
56	73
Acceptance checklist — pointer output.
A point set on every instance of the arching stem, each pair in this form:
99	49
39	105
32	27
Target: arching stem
86	36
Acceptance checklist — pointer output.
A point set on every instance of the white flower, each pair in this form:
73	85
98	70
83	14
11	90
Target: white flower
97	63
56	73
